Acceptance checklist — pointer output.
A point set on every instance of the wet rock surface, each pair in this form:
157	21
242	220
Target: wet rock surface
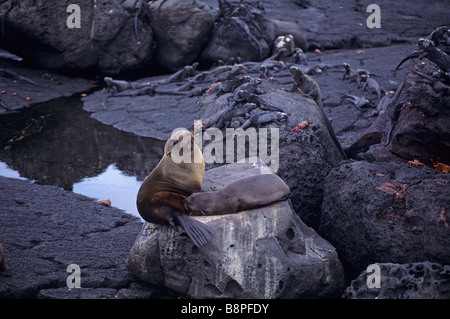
421	280
42	235
261	253
24	85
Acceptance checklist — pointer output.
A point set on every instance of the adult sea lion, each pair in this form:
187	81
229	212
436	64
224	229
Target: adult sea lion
159	199
244	194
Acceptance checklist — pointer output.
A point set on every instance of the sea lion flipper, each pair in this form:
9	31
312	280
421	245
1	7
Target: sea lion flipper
197	231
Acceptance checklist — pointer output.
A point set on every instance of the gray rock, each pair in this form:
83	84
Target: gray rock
420	280
262	253
387	213
181	29
106	39
304	158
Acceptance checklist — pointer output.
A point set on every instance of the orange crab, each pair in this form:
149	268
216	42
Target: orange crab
105	202
415	163
199	125
301	126
213	86
440	167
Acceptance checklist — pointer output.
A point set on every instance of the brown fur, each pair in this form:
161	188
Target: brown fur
160	196
244	194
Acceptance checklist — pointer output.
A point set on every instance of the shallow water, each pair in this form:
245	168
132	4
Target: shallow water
57	143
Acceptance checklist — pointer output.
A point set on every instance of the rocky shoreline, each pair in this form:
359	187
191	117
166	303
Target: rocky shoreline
397	200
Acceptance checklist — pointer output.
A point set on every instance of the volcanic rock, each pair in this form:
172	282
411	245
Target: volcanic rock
386	213
181	30
420	280
105	41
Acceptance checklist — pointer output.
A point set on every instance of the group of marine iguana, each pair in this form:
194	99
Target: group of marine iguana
288	59
436	49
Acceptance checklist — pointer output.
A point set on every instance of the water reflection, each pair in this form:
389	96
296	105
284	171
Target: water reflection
57	143
114	185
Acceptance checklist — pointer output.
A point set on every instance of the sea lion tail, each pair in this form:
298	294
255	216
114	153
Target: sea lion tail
197	231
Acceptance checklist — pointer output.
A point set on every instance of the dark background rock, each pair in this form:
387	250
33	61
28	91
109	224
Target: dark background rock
181	30
106	40
342	24
386	213
241	33
421	280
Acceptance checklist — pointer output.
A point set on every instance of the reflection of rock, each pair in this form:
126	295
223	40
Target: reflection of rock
181	29
386	212
420	280
65	145
305	157
262	253
106	39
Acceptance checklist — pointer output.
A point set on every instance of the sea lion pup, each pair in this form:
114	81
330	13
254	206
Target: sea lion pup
159	199
244	194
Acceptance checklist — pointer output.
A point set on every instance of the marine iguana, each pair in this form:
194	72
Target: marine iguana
261	118
306	85
357	101
228	116
372	86
17	76
116	86
432	53
394	115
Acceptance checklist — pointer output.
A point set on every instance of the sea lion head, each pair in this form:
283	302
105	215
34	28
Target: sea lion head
198	202
178	136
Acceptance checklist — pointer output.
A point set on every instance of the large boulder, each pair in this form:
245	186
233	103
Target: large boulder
420	280
181	29
418	122
386	213
423	128
106	39
242	33
302	159
261	253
